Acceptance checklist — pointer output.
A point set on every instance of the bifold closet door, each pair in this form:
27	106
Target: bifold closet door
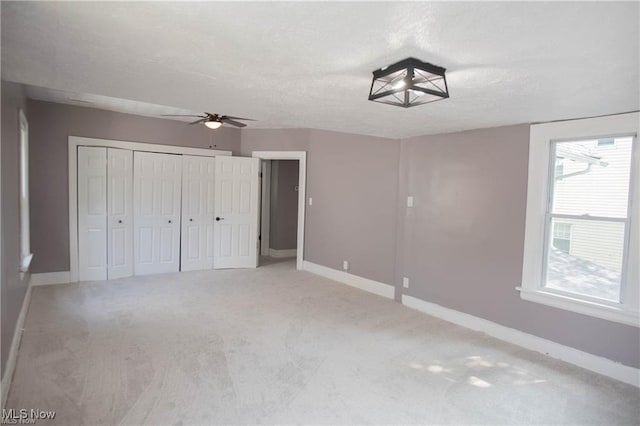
156	208
120	213
92	213
237	202
197	213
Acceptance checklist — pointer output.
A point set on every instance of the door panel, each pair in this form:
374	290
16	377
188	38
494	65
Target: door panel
226	201
120	213
145	245
92	213
156	194
95	251
197	212
236	231
118	258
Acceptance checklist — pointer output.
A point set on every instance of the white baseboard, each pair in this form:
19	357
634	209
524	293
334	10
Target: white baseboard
47	278
283	253
375	287
7	377
588	361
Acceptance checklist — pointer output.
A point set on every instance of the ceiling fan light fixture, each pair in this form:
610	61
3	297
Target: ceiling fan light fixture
213	124
213	121
408	83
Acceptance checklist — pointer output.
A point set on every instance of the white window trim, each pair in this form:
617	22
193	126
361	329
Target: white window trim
537	197
25	239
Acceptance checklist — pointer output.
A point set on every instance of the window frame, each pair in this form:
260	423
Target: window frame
25	238
537	227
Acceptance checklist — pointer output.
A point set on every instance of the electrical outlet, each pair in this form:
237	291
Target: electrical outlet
345	265
409	201
310	201
405	282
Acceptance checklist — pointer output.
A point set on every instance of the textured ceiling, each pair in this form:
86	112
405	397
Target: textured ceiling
308	65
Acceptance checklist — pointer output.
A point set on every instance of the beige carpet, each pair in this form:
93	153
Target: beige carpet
274	345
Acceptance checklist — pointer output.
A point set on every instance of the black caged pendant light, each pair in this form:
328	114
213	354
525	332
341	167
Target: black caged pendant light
408	83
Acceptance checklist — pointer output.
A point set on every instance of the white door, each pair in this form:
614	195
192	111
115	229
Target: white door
120	213
197	213
236	206
92	213
156	210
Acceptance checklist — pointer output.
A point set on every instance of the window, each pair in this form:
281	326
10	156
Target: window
582	242
593	199
25	248
559	169
562	236
606	142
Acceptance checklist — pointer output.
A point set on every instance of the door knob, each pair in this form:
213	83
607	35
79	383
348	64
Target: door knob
190	220
219	218
169	220
119	221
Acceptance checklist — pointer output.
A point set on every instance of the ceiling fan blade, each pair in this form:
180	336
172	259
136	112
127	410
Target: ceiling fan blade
181	115
202	120
237	118
232	122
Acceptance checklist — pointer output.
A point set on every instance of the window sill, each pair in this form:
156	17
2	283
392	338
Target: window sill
593	309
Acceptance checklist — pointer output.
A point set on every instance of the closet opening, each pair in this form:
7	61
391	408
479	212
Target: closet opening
140	208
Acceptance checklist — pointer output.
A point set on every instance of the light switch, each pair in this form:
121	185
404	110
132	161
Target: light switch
310	201
405	282
409	201
345	265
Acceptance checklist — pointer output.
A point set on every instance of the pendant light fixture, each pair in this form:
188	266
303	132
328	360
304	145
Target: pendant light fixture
408	83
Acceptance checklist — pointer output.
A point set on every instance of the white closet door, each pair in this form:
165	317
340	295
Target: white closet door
120	213
237	203
156	209
197	213
92	213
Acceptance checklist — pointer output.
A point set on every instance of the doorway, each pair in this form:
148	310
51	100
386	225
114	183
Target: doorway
279	225
283	199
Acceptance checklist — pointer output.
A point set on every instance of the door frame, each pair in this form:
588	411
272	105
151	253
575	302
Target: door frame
74	143
265	203
301	156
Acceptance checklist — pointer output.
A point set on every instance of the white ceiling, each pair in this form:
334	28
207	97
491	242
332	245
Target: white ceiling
308	65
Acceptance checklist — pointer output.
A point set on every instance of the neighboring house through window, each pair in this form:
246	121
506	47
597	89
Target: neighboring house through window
606	142
582	239
562	236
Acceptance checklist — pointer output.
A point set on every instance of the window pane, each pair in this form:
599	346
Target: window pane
592	178
562	236
587	258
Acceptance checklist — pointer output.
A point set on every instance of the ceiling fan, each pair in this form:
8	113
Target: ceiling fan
213	121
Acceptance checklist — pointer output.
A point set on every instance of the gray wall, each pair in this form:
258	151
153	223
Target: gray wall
283	227
13	287
49	163
353	180
274	140
461	245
